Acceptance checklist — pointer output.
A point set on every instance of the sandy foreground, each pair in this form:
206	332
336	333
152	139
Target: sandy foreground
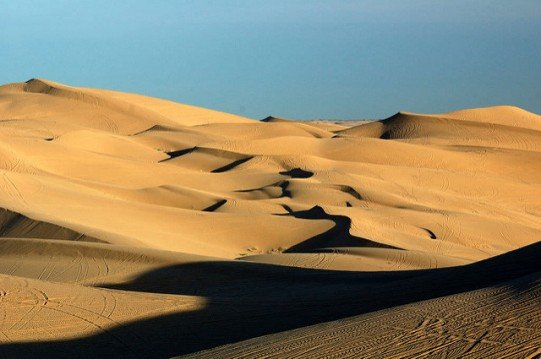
145	228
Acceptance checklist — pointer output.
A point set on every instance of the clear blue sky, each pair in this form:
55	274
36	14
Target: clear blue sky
301	59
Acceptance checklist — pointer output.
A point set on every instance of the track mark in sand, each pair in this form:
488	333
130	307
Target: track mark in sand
92	318
493	322
47	270
534	355
13	191
75	262
76	311
25	296
109	304
82	267
476	342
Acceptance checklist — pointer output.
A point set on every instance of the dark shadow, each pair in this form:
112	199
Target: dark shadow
297	173
351	191
245	300
232	165
175	154
215	206
337	236
285	192
287	208
430	233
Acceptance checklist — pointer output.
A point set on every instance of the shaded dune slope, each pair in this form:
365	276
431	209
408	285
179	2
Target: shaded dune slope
501	320
16	225
225	301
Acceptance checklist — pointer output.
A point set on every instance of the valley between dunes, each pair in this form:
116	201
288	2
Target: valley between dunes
146	228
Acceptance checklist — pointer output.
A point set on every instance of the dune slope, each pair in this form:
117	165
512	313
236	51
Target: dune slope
124	216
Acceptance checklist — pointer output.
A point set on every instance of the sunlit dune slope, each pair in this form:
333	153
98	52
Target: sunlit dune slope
183	303
450	188
501	320
142	227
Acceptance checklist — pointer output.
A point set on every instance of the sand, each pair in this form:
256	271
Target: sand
142	227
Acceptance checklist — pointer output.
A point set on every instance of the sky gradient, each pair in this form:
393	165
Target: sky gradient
298	59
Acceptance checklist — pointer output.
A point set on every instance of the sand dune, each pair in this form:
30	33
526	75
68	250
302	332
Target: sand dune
127	217
498	321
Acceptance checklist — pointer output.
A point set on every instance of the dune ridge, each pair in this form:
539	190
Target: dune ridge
121	213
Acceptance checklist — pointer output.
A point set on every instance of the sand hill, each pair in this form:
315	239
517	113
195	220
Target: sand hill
142	227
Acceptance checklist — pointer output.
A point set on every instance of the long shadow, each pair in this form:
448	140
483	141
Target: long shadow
297	173
232	165
175	154
215	206
246	300
338	236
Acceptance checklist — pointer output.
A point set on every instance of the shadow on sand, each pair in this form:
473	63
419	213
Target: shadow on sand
338	236
246	300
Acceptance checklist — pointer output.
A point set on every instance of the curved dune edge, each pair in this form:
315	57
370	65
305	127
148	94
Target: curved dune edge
196	214
437	327
492	312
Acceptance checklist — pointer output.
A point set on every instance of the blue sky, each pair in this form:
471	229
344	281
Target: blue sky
299	59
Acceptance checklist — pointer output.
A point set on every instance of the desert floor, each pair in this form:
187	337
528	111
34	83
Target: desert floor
141	227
